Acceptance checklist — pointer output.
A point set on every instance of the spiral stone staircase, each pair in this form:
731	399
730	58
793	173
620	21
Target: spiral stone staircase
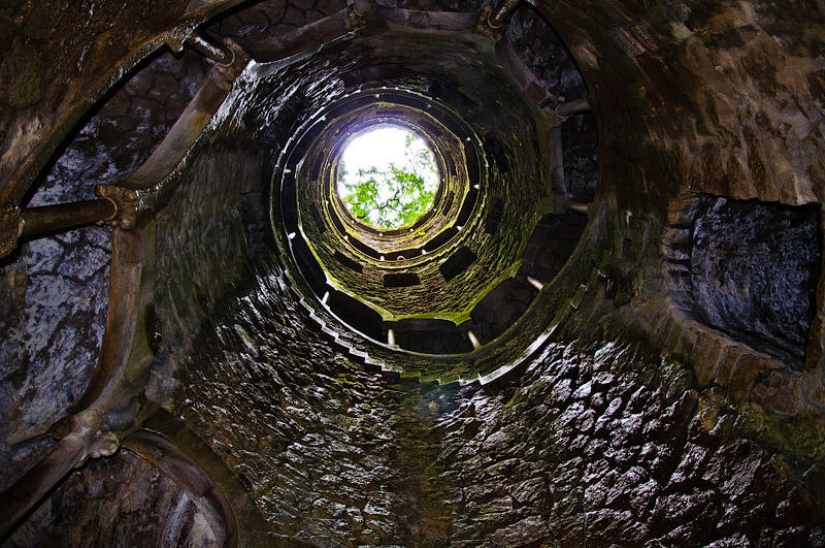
606	331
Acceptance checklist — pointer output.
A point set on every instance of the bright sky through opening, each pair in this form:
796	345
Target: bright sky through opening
380	148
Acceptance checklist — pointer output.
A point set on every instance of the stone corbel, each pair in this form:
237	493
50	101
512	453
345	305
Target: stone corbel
492	20
358	11
91	427
126	203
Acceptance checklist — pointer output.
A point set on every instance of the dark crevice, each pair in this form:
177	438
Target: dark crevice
457	263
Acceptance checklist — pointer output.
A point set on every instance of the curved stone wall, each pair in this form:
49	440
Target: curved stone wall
642	413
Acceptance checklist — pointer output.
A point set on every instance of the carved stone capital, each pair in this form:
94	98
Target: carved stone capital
492	21
126	202
484	27
358	12
104	445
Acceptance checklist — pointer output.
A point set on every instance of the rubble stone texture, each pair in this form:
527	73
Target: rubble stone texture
679	399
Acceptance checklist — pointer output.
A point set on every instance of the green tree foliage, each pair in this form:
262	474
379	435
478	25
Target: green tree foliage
394	197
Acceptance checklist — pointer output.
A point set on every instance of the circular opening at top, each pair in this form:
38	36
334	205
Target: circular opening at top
387	177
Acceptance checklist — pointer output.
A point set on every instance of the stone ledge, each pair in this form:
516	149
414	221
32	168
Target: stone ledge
778	392
813	388
707	357
748	377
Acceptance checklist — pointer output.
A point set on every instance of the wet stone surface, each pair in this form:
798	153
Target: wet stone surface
599	445
593	445
50	334
119	135
317	408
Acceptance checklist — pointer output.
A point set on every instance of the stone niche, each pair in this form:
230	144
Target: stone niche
749	269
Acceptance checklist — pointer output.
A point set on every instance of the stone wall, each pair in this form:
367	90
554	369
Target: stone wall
55	288
597	443
651	418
